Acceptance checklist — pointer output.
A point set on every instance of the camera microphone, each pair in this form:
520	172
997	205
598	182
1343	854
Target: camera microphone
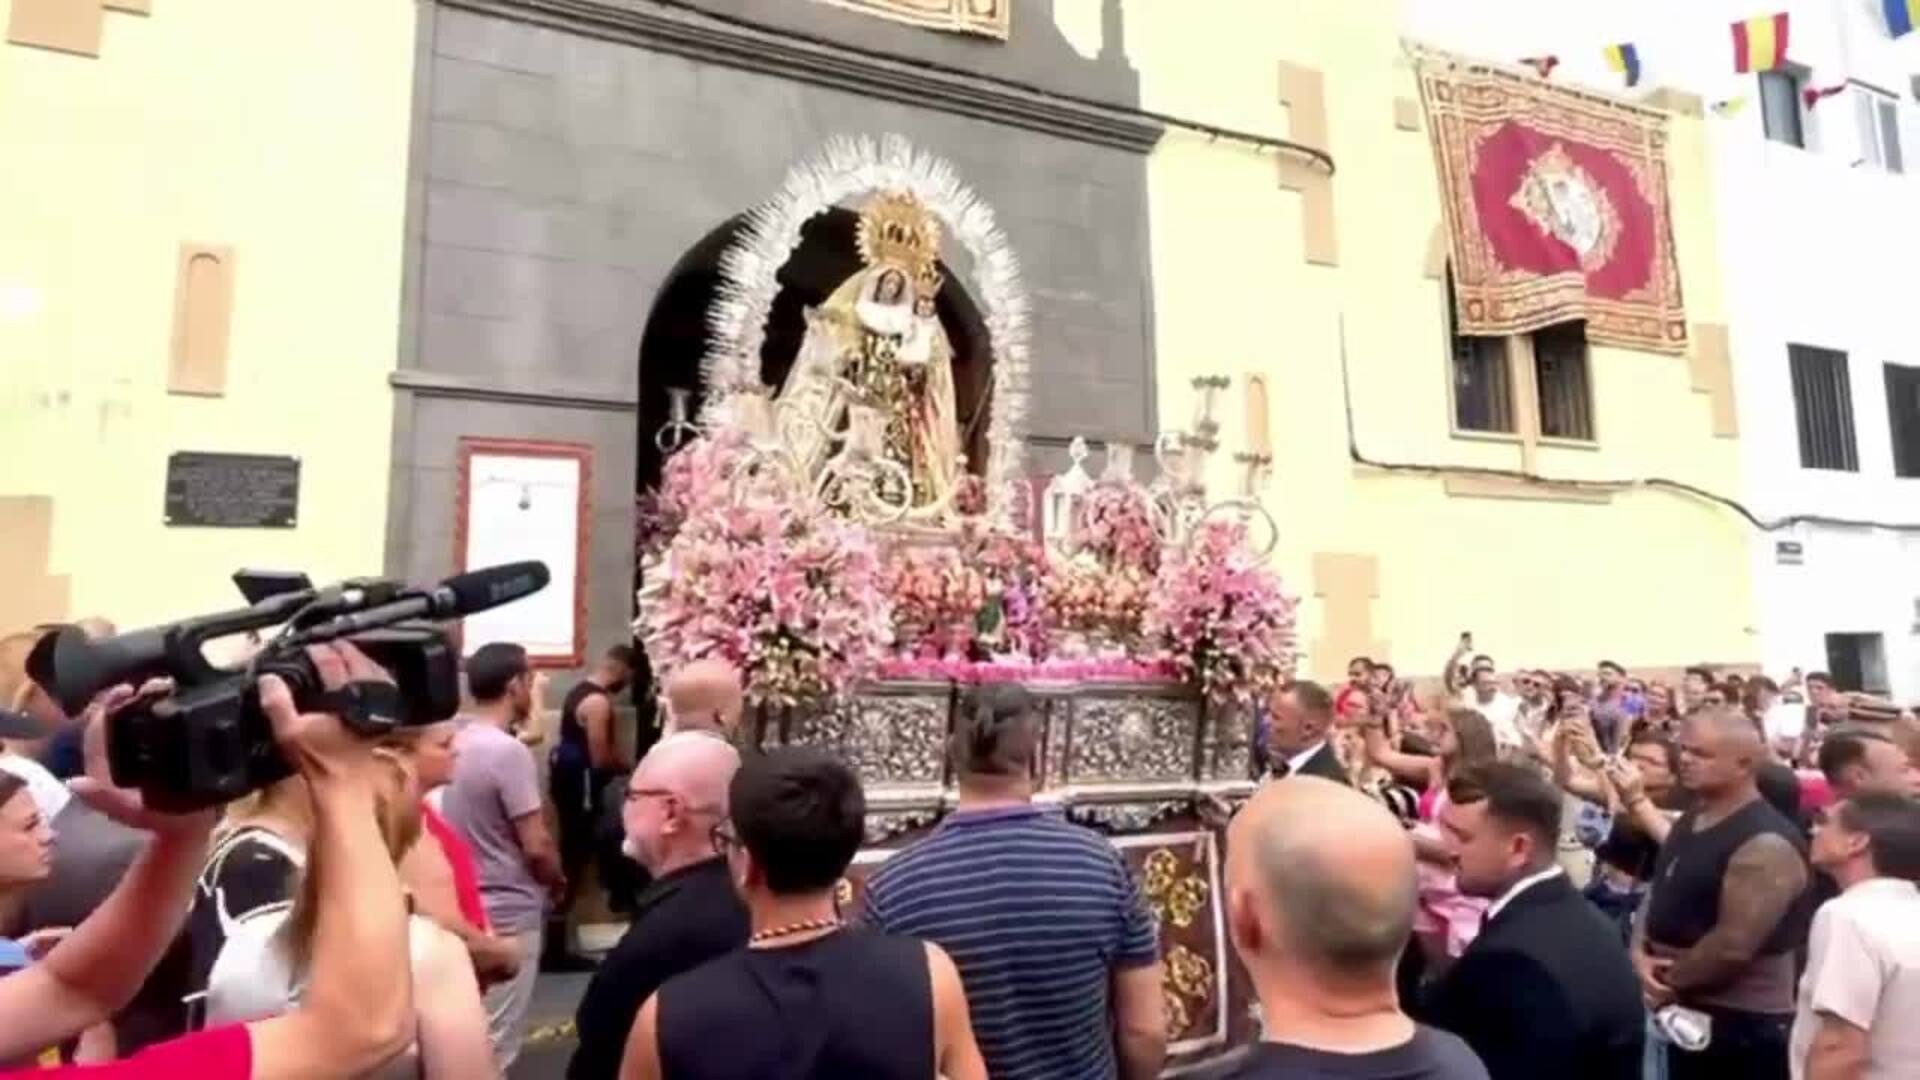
457	597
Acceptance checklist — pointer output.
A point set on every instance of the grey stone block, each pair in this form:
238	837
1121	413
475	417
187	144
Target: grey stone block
502	43
483	94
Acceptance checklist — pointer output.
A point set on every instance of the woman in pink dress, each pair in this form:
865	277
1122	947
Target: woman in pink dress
1445	921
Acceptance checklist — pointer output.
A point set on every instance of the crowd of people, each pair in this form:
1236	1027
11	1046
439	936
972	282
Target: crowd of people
1619	878
1527	875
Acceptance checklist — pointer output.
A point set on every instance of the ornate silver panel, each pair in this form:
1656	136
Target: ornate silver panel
1059	713
825	727
1228	751
897	738
884	825
1128	817
1137	737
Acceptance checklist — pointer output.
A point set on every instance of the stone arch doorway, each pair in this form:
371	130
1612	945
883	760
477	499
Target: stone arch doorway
676	334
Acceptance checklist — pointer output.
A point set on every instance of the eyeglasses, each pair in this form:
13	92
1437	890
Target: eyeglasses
634	795
725	840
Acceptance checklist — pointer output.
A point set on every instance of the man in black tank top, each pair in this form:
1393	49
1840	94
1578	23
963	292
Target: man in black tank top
808	998
1728	908
583	761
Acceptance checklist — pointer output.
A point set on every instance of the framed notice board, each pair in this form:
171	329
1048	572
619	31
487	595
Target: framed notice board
527	500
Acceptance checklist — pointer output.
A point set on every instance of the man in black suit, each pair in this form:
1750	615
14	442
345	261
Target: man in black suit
1545	990
1302	714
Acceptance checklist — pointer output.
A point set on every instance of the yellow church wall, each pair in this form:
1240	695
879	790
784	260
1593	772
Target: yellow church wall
275	132
1648	577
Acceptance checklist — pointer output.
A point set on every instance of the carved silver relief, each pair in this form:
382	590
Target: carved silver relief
883	826
897	738
1059	713
1124	817
1229	749
1132	738
824	727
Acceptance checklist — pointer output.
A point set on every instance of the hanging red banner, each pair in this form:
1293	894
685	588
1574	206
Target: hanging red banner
1556	205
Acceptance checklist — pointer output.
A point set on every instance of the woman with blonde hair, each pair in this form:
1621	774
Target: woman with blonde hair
263	968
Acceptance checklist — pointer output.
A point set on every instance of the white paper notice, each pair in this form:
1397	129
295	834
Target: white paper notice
525	506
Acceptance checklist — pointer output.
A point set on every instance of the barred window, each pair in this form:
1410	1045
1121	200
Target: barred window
1823	408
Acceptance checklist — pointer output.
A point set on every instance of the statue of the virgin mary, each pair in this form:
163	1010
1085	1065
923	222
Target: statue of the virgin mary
877	343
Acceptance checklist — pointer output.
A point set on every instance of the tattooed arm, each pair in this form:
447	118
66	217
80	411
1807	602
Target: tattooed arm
1764	878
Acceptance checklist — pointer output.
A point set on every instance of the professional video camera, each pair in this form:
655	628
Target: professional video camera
208	742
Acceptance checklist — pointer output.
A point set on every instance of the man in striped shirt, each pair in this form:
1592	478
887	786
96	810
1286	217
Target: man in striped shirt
1056	950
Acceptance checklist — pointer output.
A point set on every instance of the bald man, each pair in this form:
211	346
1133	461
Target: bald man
688	915
1727	909
1320	898
704	695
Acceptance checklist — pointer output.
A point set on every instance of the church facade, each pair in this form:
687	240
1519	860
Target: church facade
579	168
508	239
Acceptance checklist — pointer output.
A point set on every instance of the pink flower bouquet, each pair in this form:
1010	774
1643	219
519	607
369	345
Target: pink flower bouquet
1013	569
1222	616
936	596
792	599
1116	526
697	475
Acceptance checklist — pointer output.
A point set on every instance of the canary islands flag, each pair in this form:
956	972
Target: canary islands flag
1902	16
1760	44
1625	59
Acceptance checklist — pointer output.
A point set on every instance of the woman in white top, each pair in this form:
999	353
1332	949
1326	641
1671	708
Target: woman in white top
262	968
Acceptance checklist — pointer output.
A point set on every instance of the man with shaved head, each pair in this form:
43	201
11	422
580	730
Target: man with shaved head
688	915
704	695
1320	898
1727	909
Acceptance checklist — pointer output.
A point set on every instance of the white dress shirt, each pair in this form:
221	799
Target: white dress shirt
1300	759
1519	887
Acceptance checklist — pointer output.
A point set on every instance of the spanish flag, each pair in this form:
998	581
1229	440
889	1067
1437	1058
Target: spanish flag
1760	44
1625	59
1902	16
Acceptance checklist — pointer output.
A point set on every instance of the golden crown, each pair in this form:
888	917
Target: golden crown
896	229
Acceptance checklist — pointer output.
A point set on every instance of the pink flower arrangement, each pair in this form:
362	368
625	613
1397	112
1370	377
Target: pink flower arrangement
791	598
1222	616
1116	526
937	597
1085	596
696	475
1013	568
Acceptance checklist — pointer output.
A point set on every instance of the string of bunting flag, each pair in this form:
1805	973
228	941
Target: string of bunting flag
1759	44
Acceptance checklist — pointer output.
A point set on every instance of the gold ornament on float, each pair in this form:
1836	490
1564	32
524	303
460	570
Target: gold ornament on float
1174	898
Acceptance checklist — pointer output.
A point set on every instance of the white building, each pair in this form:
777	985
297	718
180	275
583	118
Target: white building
1818	213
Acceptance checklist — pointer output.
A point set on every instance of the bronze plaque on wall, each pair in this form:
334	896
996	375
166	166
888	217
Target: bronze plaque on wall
233	491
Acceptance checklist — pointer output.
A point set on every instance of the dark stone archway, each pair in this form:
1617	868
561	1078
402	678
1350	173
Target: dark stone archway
676	334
